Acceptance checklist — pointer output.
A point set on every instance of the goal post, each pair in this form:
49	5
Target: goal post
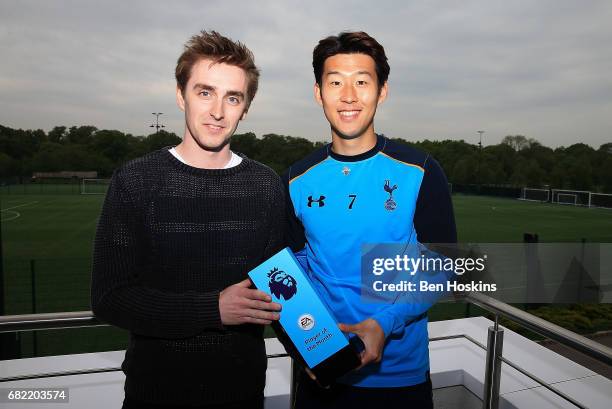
94	186
567	198
572	197
602	200
535	195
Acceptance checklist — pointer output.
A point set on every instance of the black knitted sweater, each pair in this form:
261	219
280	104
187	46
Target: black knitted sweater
169	239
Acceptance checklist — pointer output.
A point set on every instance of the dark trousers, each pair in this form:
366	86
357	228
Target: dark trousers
255	403
310	396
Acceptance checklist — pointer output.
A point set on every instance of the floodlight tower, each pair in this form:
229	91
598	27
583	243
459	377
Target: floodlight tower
479	155
157	125
1	271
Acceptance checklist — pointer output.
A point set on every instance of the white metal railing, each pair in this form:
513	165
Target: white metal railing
494	347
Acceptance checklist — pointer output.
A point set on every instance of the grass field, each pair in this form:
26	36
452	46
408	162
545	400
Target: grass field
498	220
49	237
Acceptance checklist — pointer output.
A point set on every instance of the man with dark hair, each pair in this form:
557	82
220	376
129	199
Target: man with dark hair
179	230
364	188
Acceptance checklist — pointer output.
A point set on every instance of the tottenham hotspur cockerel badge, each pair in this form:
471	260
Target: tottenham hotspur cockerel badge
390	204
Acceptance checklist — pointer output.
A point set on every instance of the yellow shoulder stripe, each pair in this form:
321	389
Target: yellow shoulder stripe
306	171
405	163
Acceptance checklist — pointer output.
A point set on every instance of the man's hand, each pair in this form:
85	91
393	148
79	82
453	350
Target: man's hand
239	304
372	336
310	373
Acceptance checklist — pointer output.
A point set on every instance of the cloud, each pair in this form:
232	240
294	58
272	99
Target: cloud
536	68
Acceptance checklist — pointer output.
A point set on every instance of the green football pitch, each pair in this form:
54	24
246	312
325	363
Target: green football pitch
47	243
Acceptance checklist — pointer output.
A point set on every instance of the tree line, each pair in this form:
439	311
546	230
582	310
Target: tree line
516	161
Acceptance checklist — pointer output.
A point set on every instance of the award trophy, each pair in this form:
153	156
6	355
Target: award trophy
306	327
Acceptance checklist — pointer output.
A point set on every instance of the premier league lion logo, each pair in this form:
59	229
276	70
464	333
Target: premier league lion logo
282	283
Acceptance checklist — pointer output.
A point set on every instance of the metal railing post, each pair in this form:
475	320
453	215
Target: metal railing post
495	344
33	282
292	384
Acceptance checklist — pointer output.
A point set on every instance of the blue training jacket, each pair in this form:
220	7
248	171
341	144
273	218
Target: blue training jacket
390	194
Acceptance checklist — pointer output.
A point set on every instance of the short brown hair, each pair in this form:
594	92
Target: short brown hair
346	42
212	45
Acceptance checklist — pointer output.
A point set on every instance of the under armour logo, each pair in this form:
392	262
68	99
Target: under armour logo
319	201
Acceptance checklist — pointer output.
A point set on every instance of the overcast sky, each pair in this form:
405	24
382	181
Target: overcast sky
536	68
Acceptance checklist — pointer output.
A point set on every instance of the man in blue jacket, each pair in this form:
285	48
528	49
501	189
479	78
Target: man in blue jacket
364	188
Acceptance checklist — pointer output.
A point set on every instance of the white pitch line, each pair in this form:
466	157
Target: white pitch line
17	214
21	205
